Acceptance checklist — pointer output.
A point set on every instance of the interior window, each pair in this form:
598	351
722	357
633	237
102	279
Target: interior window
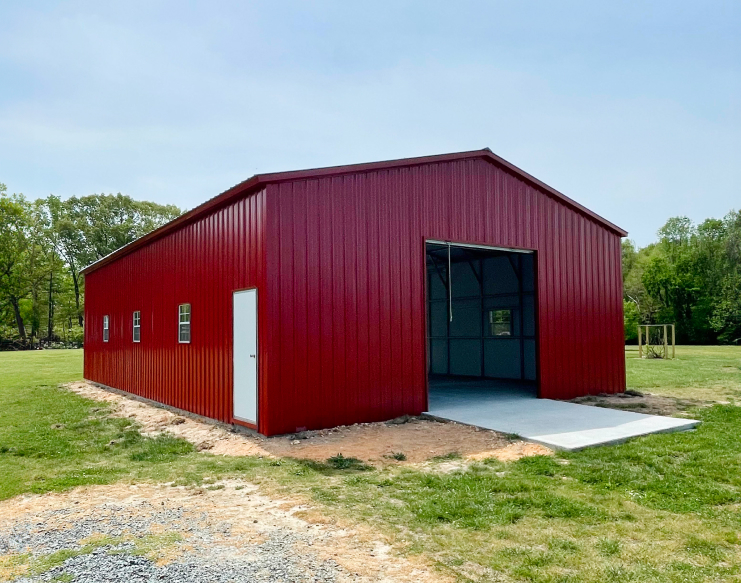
500	322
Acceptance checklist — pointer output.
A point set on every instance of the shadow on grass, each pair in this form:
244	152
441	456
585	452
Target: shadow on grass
334	466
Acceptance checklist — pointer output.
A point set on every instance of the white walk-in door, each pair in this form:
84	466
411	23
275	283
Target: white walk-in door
245	356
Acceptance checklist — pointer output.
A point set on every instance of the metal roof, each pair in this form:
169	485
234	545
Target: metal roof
259	180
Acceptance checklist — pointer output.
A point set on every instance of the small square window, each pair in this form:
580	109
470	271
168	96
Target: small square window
184	323
105	329
500	322
137	326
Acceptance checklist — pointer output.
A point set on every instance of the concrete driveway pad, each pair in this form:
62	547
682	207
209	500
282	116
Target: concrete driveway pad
512	408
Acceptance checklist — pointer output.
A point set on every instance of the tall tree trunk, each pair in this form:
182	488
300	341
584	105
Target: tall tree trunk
18	318
35	315
50	321
75	278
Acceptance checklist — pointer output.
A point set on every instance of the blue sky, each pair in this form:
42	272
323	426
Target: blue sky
631	108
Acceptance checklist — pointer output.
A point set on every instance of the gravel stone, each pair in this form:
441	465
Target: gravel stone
274	560
207	559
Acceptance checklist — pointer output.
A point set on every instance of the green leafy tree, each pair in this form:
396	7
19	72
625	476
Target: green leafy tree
726	316
15	255
726	311
43	247
86	229
632	318
64	235
689	277
635	262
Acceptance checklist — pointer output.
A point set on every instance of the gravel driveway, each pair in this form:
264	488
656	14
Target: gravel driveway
229	533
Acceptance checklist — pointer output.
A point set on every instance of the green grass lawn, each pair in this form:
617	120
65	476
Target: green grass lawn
711	373
663	508
21	370
52	439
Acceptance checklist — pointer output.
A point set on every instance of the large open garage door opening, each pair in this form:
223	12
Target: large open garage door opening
481	325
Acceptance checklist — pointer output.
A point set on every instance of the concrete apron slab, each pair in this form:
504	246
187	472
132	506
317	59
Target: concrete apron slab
555	424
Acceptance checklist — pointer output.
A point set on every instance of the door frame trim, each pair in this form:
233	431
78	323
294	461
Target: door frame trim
536	301
478	246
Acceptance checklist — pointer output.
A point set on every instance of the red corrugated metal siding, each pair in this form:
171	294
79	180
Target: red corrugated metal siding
201	264
340	266
346	279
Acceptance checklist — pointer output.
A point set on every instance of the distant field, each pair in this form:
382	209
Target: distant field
711	373
39	367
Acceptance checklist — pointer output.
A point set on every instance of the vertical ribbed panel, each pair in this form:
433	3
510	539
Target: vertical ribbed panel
200	264
346	277
339	263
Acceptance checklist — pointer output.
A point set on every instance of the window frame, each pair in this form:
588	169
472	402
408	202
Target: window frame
106	328
493	323
182	323
136	326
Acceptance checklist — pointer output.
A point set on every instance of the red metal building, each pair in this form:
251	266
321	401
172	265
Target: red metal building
357	270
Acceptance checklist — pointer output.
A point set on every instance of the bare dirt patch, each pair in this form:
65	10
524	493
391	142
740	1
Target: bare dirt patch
230	525
647	403
417	439
155	420
405	441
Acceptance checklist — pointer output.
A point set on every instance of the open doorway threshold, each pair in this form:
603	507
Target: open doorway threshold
510	407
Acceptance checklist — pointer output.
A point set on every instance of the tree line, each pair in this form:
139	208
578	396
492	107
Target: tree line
690	277
44	244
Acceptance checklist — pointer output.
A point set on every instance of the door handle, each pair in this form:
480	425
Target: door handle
252	356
